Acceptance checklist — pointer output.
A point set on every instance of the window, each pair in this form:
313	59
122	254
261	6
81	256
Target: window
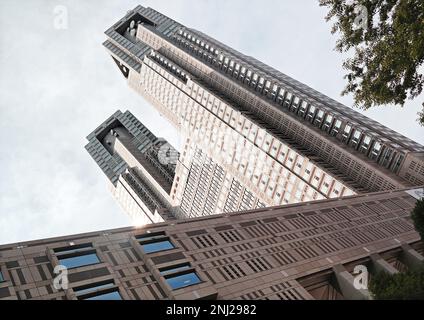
336	128
113	295
375	151
180	276
281	94
302	109
1	277
77	256
311	113
397	163
182	280
105	290
365	144
328	122
155	242
357	134
319	117
175	269
346	133
288	100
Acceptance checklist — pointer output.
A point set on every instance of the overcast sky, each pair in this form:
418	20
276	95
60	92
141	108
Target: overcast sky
58	85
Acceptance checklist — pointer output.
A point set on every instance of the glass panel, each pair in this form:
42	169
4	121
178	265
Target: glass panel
107	296
387	157
318	118
346	133
182	281
337	126
153	236
1	277
295	104
93	288
328	122
157	246
375	151
396	166
288	100
311	113
72	249
175	269
79	261
281	94
355	138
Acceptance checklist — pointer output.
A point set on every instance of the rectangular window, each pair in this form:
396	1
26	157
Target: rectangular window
112	295
79	261
1	277
178	281
77	256
104	290
155	242
175	269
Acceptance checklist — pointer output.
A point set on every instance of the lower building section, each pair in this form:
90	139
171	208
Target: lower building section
313	250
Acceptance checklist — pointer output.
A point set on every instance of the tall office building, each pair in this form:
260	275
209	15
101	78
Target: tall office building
253	137
293	252
140	167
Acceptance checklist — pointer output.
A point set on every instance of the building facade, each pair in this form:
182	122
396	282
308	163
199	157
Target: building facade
299	251
139	166
253	137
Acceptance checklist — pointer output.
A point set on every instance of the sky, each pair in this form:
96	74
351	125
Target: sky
57	85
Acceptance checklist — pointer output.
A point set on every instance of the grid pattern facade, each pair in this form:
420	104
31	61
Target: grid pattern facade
272	253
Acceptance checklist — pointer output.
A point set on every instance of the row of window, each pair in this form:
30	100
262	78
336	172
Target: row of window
177	276
169	66
199	42
247	162
331	122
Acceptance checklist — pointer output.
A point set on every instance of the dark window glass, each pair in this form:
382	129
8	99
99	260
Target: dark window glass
175	269
114	295
151	236
73	249
184	280
157	246
79	261
79	291
1	277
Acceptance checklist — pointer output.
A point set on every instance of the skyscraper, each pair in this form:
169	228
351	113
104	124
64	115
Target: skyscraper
140	167
253	137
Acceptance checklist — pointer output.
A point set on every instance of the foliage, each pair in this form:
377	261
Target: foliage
417	216
400	286
387	45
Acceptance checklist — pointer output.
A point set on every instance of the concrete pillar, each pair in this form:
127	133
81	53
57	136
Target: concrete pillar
381	265
346	284
411	258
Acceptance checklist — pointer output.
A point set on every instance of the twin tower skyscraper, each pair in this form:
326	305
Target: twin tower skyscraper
252	136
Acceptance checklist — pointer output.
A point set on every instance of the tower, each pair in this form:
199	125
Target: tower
140	167
254	137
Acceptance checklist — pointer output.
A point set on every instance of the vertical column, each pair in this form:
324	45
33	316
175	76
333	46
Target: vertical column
346	284
411	258
381	265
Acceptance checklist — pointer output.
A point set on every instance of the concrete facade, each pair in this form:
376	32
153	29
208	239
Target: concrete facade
300	251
